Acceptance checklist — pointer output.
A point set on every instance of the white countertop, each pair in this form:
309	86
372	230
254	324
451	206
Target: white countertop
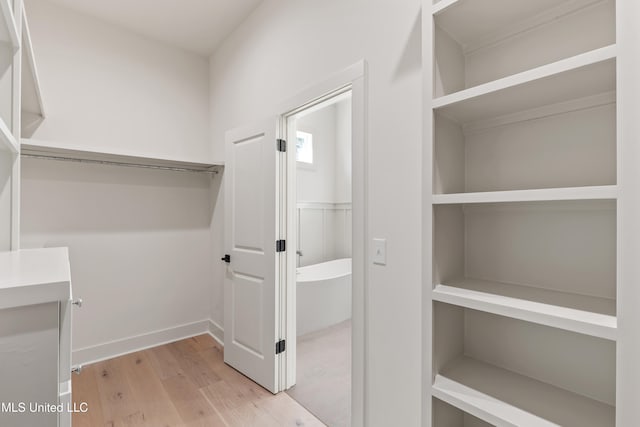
34	276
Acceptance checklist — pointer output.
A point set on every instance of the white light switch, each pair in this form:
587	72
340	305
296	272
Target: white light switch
380	251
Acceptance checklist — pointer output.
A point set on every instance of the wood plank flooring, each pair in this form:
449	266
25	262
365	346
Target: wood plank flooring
182	384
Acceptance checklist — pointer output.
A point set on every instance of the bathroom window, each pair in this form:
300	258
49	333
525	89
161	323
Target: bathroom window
304	147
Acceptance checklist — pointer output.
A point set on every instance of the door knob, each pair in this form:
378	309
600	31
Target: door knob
226	258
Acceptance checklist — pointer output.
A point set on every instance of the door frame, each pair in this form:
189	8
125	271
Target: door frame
352	78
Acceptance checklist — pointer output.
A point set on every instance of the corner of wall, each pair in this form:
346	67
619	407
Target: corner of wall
217	332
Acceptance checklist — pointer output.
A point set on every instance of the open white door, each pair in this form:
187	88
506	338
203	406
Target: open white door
250	292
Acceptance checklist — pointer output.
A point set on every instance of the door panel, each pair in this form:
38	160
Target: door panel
247	291
248	173
250	238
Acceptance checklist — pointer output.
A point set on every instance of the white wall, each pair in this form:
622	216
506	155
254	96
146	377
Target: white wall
316	182
343	151
287	45
139	244
324	232
324	188
139	239
329	178
107	88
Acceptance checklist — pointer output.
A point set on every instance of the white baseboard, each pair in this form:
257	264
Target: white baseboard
217	332
109	350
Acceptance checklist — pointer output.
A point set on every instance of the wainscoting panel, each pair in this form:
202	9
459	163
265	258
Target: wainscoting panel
324	232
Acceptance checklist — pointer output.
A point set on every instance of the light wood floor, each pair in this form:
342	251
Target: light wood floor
185	384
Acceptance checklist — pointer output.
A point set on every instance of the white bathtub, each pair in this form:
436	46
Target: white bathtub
323	295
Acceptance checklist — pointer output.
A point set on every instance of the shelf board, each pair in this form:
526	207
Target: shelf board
504	398
54	150
7	140
580	76
440	6
577	313
8	28
603	192
468	21
32	107
34	276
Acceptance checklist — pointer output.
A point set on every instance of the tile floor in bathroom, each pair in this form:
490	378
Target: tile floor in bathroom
323	384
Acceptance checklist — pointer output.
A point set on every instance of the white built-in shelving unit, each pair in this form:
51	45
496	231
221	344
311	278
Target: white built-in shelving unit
10	30
32	106
526	258
35	284
9	45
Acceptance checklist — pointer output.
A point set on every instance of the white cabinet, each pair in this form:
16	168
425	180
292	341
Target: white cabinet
530	213
35	338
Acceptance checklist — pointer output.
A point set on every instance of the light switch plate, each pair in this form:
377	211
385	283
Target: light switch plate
380	251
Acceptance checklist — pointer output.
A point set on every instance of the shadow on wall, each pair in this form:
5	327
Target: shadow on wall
215	195
66	196
411	59
5	202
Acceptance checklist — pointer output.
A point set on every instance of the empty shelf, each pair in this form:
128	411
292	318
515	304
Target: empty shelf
546	194
30	147
32	109
582	314
504	398
7	141
580	76
467	21
442	5
8	29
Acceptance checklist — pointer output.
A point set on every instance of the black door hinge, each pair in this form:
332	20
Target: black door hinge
282	145
281	246
280	347
226	258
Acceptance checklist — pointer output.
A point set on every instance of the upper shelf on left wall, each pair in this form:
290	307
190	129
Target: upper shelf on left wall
9	45
32	108
66	151
8	28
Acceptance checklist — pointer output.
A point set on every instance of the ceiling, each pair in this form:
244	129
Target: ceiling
195	25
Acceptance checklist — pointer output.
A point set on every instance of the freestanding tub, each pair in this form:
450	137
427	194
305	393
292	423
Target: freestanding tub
323	295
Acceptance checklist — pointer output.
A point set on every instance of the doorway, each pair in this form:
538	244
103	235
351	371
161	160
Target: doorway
322	185
351	80
261	278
